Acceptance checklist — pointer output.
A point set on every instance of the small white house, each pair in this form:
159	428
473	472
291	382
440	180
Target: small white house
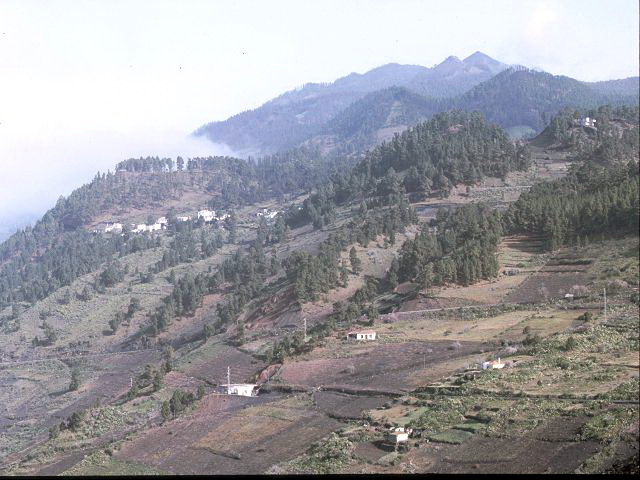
265	212
568	296
398	435
185	218
113	228
207	215
162	221
362	335
242	389
492	365
589	122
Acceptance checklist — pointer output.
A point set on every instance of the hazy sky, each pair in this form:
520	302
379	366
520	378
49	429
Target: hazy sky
84	84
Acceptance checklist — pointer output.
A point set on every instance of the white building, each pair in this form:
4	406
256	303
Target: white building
162	221
492	365
113	228
361	335
398	435
207	215
589	122
142	227
242	389
568	296
184	218
265	212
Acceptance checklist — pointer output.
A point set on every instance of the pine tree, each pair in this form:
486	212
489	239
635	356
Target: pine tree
165	411
75	380
355	261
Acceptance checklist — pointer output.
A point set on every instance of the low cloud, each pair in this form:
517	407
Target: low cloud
37	171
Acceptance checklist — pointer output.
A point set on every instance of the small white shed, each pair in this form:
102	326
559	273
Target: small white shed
492	365
362	335
242	389
398	435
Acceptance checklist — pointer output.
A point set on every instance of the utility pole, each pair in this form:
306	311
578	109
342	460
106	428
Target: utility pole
228	380
605	305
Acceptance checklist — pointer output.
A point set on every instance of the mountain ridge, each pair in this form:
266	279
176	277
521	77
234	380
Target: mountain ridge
308	114
294	116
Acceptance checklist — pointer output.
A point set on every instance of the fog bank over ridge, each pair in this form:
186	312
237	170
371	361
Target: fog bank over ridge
39	170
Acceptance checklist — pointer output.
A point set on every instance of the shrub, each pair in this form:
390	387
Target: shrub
54	432
75	380
570	344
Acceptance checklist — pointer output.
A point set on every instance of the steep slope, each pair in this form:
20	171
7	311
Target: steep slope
295	116
374	119
200	298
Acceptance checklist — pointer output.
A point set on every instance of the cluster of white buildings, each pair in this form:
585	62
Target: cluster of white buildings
585	122
210	216
161	223
113	228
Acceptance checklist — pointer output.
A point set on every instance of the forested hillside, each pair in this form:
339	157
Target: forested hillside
590	202
459	246
453	147
306	249
35	262
357	112
520	101
522	97
362	124
300	114
613	139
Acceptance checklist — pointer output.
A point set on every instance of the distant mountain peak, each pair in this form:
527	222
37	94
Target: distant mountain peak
451	59
478	56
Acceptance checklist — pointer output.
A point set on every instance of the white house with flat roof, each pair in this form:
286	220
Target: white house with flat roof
398	435
492	365
113	228
361	335
242	389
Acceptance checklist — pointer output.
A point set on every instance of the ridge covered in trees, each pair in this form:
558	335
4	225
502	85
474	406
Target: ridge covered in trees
615	137
590	200
458	246
453	147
